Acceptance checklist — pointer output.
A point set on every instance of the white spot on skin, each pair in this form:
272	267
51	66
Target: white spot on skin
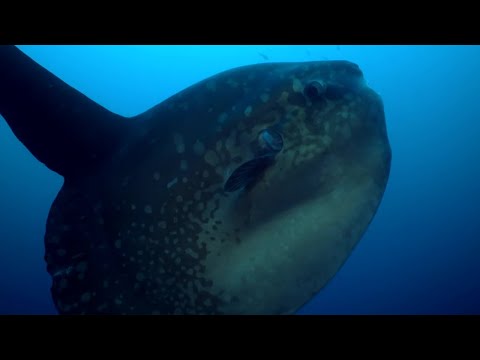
232	83
183	165
248	111
230	142
191	253
212	86
178	140
198	148
222	118
327	140
197	196
326	126
346	132
172	182
211	158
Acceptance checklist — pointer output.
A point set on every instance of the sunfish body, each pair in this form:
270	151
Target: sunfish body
242	194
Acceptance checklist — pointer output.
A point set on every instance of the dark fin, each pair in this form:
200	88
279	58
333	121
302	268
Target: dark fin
247	173
61	127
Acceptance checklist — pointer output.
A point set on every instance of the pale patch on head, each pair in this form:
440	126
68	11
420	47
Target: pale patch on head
297	85
264	97
248	111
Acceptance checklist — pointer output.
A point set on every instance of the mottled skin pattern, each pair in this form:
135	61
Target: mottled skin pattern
155	233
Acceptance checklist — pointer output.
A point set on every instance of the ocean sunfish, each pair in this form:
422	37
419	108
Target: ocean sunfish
242	194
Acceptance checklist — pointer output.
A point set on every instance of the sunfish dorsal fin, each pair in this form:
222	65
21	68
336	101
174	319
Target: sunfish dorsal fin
65	130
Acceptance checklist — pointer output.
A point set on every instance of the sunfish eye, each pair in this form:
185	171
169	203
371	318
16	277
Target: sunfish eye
272	140
315	89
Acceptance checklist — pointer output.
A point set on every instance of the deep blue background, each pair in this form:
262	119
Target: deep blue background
421	254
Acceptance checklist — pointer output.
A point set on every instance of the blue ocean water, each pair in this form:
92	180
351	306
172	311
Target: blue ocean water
421	253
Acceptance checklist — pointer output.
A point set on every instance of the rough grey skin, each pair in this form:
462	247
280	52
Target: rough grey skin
154	232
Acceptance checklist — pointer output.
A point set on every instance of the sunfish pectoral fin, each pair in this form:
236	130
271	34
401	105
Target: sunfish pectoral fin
60	126
248	172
